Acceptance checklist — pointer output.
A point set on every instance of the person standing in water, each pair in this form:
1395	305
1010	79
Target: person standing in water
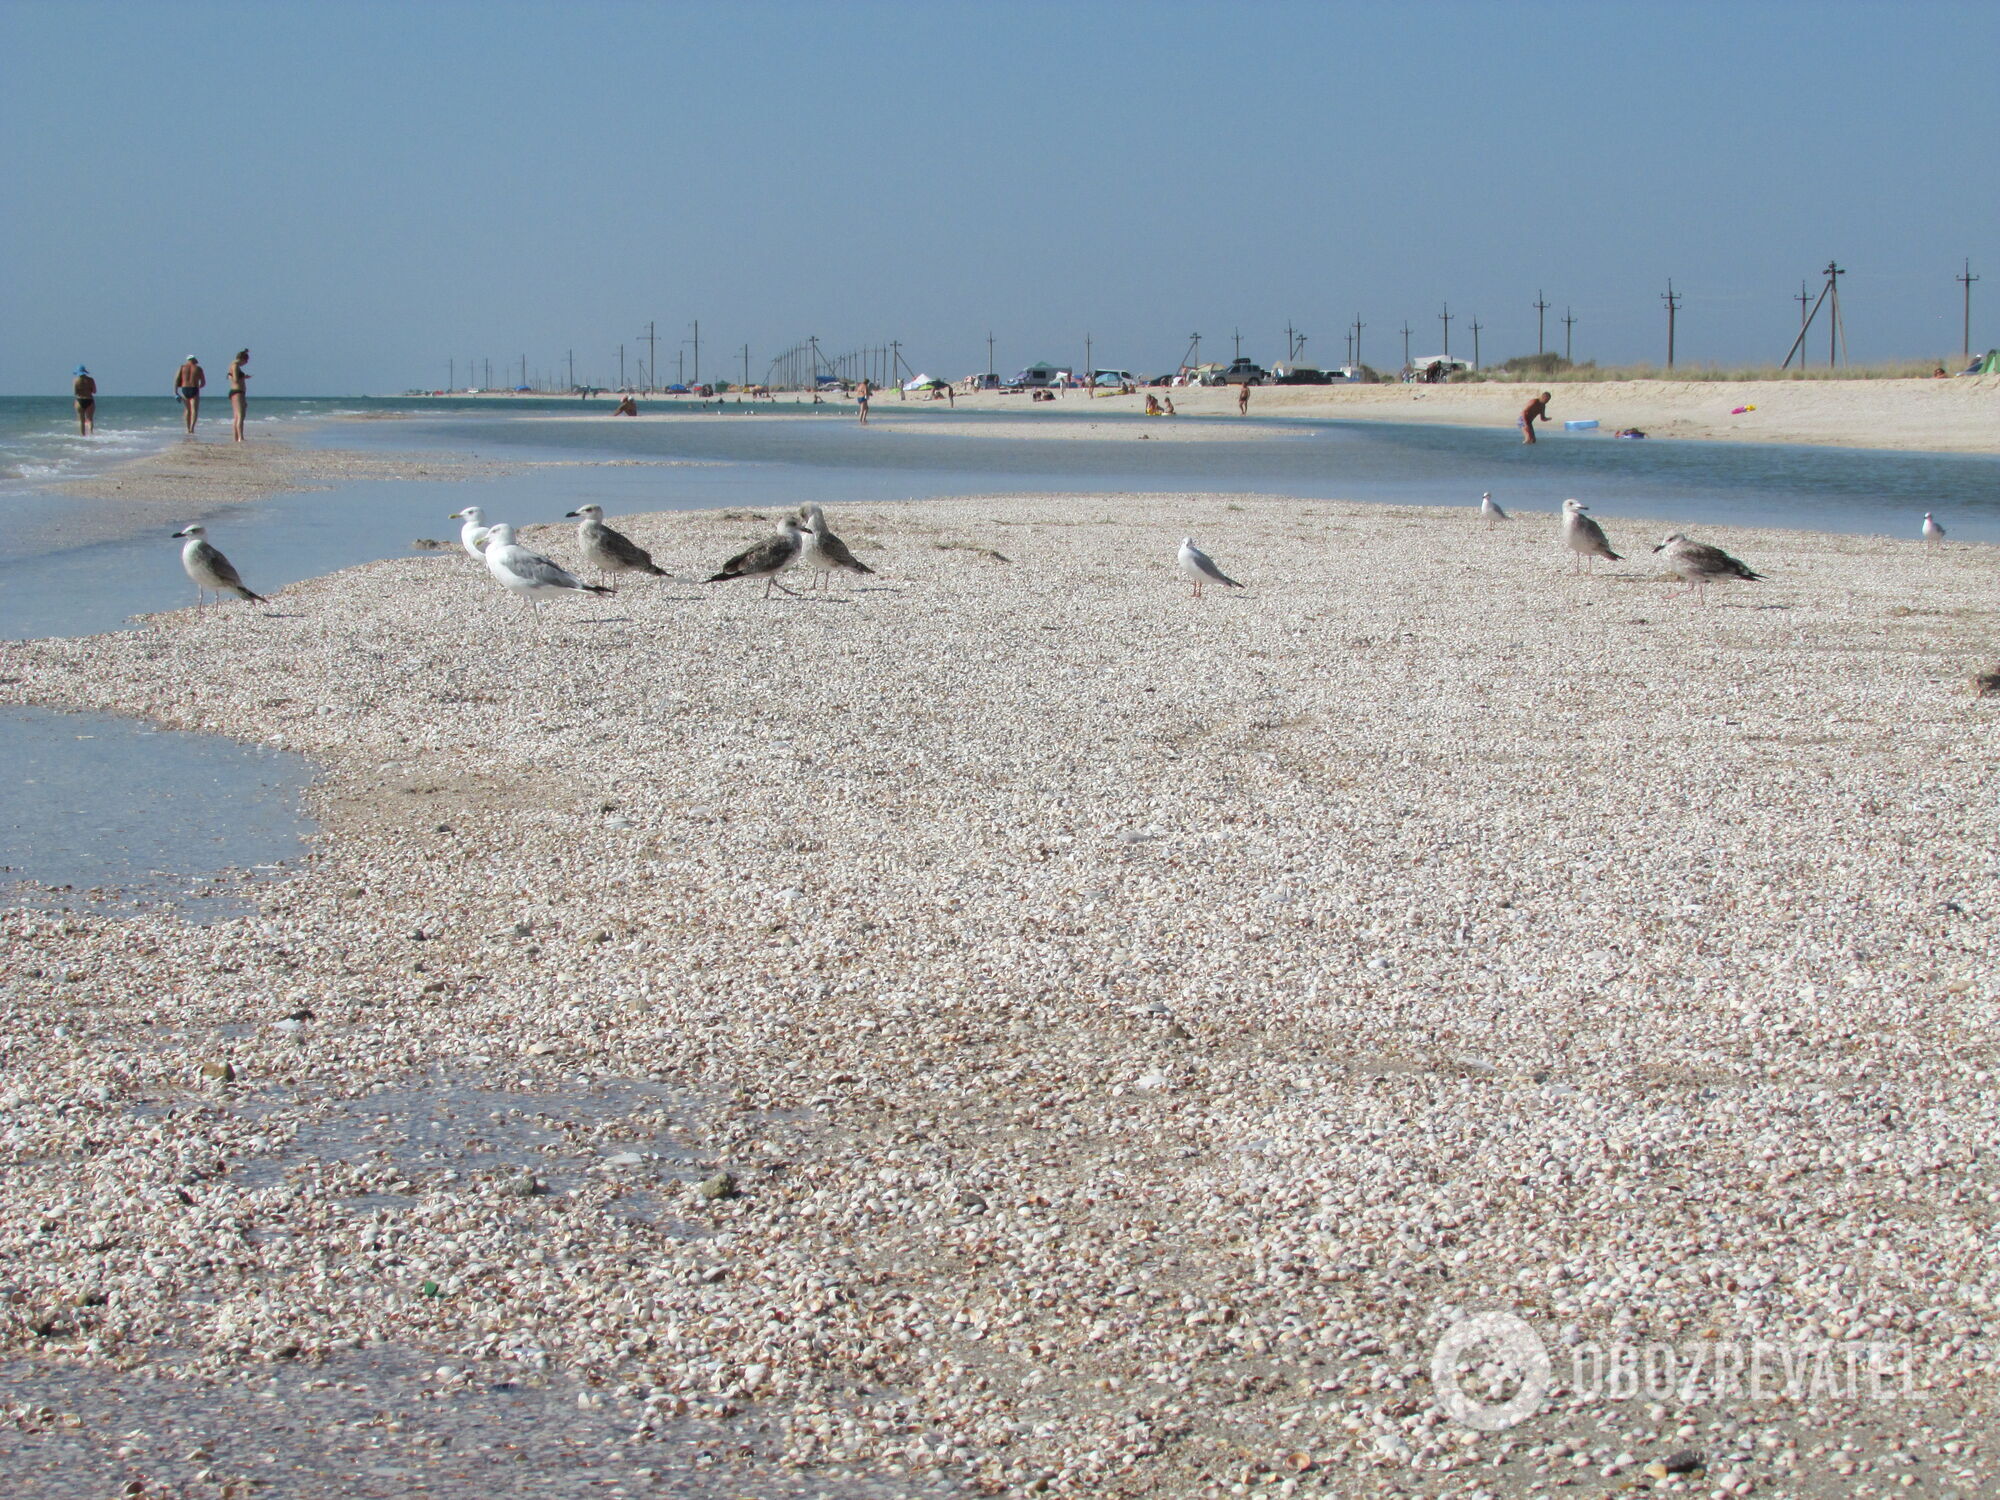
188	381
861	397
86	402
1243	399
239	396
1537	409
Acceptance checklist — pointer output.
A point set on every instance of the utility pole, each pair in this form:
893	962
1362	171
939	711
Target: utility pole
1446	315
1406	343
1541	311
1476	325
1087	366
1193	355
1835	331
572	369
1349	336
680	367
746	364
621	367
652	356
895	353
453	385
1569	323
524	369
1673	301
697	351
989	353
1803	299
1357	340
1965	279
1239	343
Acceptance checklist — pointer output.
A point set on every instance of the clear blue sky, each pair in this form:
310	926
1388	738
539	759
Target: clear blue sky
362	191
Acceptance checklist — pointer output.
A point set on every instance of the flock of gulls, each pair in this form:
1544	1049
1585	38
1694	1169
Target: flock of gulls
805	540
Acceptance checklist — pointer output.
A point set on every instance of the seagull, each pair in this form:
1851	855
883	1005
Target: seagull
1697	563
1584	537
210	570
767	559
1200	568
1932	531
1490	511
610	551
822	550
473	534
528	573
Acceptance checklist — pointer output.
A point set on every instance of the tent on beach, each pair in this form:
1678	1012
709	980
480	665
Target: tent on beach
924	383
1989	365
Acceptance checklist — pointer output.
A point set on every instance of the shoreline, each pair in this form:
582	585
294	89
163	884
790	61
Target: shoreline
1960	414
1074	982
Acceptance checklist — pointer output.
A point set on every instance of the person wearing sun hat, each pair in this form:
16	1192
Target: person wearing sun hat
86	402
188	381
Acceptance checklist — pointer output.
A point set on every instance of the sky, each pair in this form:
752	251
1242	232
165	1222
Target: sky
365	192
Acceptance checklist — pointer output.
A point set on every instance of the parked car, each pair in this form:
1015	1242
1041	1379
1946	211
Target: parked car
1113	378
1242	371
1298	372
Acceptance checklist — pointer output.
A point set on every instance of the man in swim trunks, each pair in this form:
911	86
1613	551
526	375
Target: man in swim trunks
188	381
1243	399
861	396
1537	409
86	402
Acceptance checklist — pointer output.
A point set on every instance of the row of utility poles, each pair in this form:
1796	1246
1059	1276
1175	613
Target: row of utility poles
802	364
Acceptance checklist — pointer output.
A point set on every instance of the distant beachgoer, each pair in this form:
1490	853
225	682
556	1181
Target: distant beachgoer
86	402
239	395
1169	400
1939	374
1536	410
861	399
629	407
1153	405
951	398
188	381
1243	399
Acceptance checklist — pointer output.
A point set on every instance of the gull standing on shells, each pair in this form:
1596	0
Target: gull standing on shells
473	534
527	573
1933	532
610	551
1698	564
1200	568
767	559
210	570
1584	537
822	551
1490	511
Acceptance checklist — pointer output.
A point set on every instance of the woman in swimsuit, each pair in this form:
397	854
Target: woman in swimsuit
239	398
86	402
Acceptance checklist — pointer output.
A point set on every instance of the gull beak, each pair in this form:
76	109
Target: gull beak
456	516
1660	547
572	513
178	535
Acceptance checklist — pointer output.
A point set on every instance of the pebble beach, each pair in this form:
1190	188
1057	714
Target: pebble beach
1007	1027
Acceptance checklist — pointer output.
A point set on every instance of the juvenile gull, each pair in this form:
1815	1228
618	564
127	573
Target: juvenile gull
822	551
528	573
1584	537
1932	531
1200	568
607	550
1697	563
210	570
1490	511
767	559
473	534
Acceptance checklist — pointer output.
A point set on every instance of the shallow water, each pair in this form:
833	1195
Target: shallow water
98	812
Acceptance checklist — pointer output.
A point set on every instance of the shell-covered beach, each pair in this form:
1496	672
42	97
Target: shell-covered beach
1006	1026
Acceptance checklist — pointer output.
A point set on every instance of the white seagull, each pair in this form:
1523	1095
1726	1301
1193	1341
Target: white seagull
211	571
1200	568
527	573
767	559
1932	531
472	536
1698	564
1490	511
607	550
822	551
1584	537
